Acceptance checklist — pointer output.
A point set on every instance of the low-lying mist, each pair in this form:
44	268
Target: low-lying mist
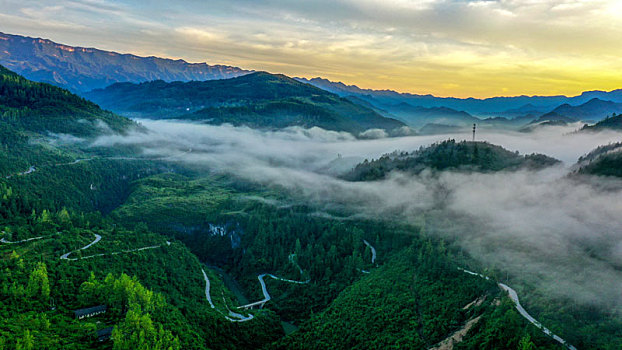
560	233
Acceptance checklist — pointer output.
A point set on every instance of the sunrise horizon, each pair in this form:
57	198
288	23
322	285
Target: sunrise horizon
476	49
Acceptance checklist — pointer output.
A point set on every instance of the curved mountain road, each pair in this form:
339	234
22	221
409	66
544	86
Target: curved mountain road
3	240
207	287
264	289
33	168
514	297
97	239
236	317
66	255
231	316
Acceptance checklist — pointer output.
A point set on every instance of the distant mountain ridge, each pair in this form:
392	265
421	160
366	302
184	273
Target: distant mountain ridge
82	69
478	107
419	116
260	100
594	109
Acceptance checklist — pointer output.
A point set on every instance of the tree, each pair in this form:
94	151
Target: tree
27	342
64	217
138	332
526	344
298	247
38	283
89	290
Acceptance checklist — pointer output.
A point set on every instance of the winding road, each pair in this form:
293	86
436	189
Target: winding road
33	168
3	240
97	239
66	255
207	286
236	317
231	316
514	297
264	289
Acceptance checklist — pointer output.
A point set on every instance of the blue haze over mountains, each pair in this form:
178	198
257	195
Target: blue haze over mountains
514	105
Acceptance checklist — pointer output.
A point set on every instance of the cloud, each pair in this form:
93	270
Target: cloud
373	134
559	233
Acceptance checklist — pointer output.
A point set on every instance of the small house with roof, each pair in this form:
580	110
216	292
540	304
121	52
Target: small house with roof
90	311
104	334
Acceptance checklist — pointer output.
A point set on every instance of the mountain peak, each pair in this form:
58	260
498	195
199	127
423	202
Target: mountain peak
81	69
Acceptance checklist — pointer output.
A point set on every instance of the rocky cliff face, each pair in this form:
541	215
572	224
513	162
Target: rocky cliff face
83	69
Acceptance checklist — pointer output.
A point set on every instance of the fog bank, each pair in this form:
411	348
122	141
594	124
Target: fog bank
561	234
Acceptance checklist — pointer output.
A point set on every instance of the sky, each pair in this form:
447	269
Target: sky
442	47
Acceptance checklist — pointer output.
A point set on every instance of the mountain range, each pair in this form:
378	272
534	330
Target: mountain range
593	110
82	69
258	99
493	106
419	116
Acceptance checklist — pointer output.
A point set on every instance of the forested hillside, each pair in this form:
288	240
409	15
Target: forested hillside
604	160
461	156
258	100
60	254
407	304
613	122
43	108
49	170
153	289
414	295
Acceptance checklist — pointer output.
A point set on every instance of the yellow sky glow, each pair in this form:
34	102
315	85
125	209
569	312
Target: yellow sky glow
439	47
